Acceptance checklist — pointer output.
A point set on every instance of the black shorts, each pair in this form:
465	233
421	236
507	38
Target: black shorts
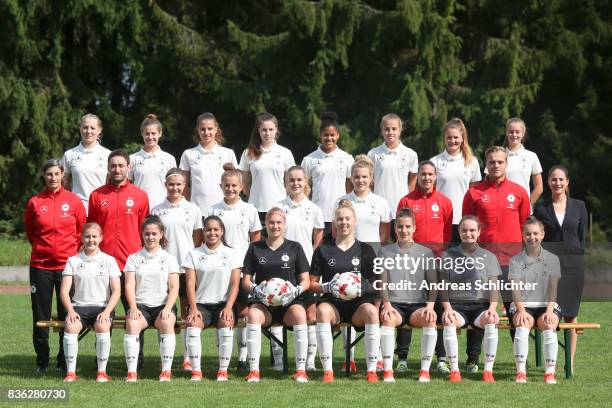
150	313
243	296
89	314
182	286
278	312
210	313
346	308
469	311
406	310
535	312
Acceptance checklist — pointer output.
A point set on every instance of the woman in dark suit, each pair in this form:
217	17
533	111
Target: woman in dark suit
565	221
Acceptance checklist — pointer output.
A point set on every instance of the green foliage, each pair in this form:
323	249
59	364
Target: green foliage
484	61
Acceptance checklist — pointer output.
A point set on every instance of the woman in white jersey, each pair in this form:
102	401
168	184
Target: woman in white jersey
304	225
203	164
149	165
183	223
151	289
85	166
241	227
263	164
395	165
535	306
523	164
95	278
213	281
329	170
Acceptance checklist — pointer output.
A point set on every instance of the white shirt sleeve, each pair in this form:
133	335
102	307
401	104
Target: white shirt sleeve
66	163
68	269
386	211
188	262
289	160
198	218
130	264
173	266
351	160
413	167
318	218
475	167
255	222
536	167
184	162
113	268
236	260
172	162
244	162
230	157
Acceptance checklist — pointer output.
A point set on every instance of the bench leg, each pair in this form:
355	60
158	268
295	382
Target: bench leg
347	353
568	353
285	358
538	347
84	332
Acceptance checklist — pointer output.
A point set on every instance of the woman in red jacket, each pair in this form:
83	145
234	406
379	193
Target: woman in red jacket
53	222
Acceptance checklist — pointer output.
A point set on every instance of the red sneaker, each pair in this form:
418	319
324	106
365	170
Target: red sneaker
187	365
328	376
521	378
300	376
165	376
253	376
131	377
70	377
222	375
102	377
388	376
372	377
196	375
353	366
455	376
487	376
549	378
424	376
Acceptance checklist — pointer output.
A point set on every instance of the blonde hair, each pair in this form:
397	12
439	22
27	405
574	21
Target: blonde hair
275	210
307	188
391	116
533	221
495	149
92	116
466	150
511	121
151	120
231	171
91	225
345	204
363	162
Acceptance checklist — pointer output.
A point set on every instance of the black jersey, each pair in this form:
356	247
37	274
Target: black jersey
286	262
329	260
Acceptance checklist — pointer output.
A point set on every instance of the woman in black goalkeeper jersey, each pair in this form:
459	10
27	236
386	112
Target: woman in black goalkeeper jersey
330	259
276	257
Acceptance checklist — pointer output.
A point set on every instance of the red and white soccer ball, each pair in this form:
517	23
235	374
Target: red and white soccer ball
275	288
349	285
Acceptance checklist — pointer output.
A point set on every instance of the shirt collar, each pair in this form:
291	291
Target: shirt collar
450	158
178	204
202	150
50	193
209	251
270	149
89	259
359	199
330	154
419	193
149	255
387	150
89	150
518	151
150	155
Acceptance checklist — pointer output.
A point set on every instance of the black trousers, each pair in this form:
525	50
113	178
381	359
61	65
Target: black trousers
43	283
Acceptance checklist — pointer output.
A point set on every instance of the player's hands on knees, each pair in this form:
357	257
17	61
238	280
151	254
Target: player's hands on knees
522	318
491	316
165	313
429	314
227	314
103	317
450	317
549	318
134	314
193	315
72	317
388	312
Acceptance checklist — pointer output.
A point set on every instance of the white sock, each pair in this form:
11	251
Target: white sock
167	344
387	344
184	345
312	345
194	347
253	345
277	350
490	346
103	346
551	347
325	342
353	335
372	345
226	344
429	337
451	347
71	349
242	343
131	347
521	348
300	345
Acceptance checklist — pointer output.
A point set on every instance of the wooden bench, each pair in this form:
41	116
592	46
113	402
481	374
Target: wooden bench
119	323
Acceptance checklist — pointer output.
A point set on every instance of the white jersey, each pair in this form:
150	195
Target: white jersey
371	211
522	164
87	168
454	178
267	175
302	219
239	219
180	220
328	173
205	168
391	168
535	270
91	277
152	272
213	270
148	171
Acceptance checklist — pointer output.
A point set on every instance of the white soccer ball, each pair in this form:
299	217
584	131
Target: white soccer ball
274	289
349	285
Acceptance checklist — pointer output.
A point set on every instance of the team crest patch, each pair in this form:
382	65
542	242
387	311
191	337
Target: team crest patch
511	198
163	261
33	289
104	203
285	258
202	258
435	207
81	266
442	164
355	261
129	202
163	213
485	198
262	260
331	262
65	207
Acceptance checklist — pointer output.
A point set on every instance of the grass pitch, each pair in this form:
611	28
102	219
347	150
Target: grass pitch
589	387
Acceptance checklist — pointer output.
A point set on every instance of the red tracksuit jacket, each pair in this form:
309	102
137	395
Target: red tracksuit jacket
120	211
502	209
53	224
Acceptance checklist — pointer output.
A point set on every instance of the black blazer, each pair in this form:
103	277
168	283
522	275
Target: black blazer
571	236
